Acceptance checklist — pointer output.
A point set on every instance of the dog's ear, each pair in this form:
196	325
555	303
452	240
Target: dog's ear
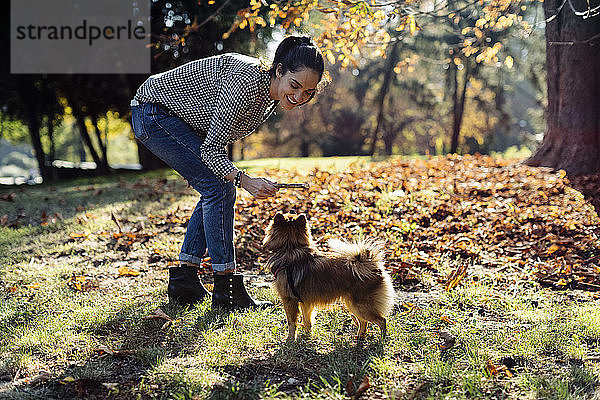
279	218
301	219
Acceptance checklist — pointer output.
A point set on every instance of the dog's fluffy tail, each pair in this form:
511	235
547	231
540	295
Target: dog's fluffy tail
365	257
366	260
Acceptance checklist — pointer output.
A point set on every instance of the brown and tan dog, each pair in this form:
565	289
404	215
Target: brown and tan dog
306	277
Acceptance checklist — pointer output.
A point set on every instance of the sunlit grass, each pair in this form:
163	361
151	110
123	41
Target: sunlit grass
550	336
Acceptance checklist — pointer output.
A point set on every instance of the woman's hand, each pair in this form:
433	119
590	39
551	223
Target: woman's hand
260	188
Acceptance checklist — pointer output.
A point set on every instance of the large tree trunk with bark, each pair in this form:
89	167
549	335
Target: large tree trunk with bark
572	138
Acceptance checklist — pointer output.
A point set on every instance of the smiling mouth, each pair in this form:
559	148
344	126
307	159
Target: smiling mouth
290	100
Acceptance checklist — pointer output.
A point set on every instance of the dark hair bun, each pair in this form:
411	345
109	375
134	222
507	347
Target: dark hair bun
297	52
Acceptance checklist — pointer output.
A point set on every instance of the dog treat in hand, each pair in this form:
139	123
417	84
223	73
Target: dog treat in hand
292	185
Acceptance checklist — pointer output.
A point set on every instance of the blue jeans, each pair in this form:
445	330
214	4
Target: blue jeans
178	145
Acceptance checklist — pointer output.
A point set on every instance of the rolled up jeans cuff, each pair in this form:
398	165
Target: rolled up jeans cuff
189	258
228	267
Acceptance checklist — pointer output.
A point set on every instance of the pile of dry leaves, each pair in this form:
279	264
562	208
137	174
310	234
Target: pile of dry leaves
491	213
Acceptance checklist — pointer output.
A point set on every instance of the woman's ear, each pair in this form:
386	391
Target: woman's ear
278	70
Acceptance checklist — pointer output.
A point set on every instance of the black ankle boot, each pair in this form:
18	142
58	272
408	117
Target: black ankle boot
241	298
185	286
222	295
229	292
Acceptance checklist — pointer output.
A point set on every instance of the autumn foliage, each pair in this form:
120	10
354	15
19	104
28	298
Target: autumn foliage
348	30
478	211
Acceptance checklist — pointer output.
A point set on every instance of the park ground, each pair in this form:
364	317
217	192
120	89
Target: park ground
496	267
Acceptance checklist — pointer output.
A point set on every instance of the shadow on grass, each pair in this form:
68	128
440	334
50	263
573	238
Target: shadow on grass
38	216
299	368
117	371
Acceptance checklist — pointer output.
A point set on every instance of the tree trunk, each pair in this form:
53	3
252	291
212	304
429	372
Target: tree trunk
572	138
34	133
29	97
458	107
385	86
50	125
388	139
52	154
392	133
103	155
84	133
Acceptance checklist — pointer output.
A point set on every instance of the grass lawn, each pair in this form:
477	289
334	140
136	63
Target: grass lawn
496	267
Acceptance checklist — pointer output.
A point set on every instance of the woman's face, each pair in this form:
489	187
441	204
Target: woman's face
294	88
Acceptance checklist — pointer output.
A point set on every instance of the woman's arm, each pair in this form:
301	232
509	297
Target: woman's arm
260	188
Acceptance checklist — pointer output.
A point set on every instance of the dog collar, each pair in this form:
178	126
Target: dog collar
289	281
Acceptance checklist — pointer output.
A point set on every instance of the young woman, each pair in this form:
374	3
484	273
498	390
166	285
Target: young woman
186	117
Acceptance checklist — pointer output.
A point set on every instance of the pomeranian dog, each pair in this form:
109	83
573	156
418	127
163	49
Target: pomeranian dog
309	279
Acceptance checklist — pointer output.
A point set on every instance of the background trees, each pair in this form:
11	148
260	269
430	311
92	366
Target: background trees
429	78
475	33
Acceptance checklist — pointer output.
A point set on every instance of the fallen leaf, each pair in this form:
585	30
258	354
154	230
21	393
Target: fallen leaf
102	349
33	286
67	379
105	350
110	385
410	307
497	370
41	377
80	283
126	271
158	314
169	323
456	276
364	385
82	235
350	386
555	249
116	221
447	320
